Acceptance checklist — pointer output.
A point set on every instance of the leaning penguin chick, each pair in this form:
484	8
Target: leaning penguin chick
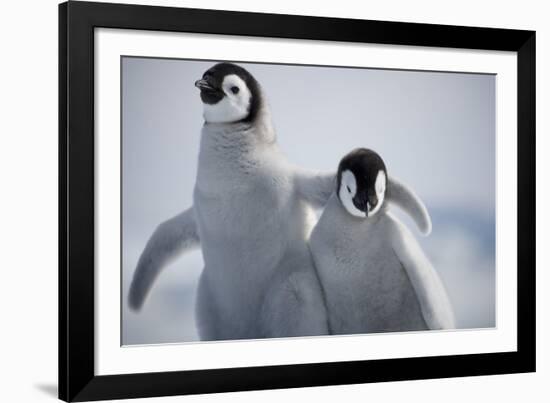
374	274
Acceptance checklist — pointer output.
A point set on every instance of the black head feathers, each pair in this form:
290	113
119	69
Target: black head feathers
212	92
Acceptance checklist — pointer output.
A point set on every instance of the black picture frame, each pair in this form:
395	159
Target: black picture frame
77	379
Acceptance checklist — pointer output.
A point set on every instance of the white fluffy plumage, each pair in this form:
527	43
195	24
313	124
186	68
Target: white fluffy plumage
375	276
252	216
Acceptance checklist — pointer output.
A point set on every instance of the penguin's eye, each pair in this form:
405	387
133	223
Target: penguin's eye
235	89
349	190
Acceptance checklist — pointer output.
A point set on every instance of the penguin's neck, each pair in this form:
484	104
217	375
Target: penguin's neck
350	221
231	153
239	138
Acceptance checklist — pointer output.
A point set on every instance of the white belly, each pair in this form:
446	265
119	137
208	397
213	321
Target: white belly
248	234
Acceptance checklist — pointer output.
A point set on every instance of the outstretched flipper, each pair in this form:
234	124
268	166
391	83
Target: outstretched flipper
316	188
434	302
405	198
170	239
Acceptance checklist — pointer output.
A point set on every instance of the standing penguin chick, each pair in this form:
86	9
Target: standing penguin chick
252	216
373	272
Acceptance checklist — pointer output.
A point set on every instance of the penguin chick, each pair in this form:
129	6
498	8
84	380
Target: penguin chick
252	216
374	274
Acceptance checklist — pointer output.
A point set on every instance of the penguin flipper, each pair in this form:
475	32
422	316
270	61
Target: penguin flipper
403	197
170	239
430	291
315	187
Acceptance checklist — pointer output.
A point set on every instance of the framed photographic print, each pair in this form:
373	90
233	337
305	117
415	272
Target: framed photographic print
254	201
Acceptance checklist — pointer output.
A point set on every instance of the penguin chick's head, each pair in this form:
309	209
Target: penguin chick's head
362	182
229	94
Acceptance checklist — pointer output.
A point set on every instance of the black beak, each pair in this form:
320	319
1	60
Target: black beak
203	84
361	203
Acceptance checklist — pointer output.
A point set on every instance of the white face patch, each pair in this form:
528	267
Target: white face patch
380	189
347	191
233	106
